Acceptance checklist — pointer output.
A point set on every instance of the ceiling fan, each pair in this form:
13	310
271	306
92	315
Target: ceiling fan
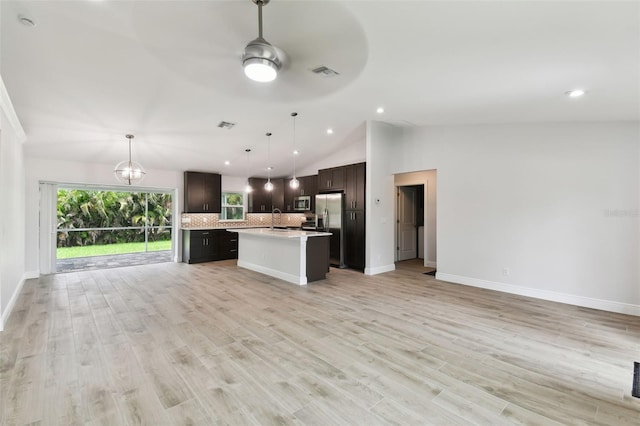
260	60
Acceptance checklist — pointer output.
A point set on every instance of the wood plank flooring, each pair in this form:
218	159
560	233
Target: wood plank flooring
211	344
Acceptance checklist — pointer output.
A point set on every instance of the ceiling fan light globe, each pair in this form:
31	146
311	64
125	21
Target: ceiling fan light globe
260	61
260	70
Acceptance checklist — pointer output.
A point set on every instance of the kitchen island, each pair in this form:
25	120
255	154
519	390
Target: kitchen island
295	256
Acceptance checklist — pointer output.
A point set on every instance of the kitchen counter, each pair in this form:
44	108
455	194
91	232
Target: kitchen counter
279	232
295	256
231	228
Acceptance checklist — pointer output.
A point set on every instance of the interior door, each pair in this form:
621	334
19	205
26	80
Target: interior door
407	231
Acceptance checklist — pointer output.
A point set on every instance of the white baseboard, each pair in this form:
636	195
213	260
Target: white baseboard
379	269
571	299
12	302
29	275
430	264
273	272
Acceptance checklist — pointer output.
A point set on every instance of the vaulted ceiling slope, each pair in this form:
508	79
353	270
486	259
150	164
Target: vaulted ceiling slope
89	72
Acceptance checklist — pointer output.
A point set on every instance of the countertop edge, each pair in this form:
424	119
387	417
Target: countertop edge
268	233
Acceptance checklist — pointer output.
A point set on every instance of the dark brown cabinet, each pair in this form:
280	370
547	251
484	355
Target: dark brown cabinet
199	246
331	179
208	245
263	201
259	199
202	192
354	239
308	187
277	195
227	244
355	176
354	216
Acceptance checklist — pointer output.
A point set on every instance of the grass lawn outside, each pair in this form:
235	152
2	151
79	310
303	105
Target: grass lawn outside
107	249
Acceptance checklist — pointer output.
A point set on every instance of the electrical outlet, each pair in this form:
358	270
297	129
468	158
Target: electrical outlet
205	220
505	271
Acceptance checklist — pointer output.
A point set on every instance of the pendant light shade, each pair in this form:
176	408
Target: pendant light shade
268	186
294	183
260	59
128	171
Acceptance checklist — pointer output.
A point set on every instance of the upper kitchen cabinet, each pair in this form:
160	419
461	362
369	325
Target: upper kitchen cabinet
308	187
202	192
259	199
331	179
355	186
263	201
277	194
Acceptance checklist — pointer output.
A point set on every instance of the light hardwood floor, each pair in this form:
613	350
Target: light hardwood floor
213	344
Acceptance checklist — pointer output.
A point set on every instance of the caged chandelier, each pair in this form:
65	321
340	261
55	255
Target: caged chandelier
260	59
129	172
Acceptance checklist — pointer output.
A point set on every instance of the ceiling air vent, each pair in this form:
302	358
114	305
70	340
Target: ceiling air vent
325	71
226	125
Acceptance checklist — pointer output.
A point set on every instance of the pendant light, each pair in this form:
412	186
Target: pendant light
129	172
294	183
260	59
248	188
269	186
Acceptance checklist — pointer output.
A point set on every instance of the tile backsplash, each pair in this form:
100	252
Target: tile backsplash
210	220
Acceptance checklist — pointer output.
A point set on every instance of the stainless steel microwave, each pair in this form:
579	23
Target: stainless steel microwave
302	203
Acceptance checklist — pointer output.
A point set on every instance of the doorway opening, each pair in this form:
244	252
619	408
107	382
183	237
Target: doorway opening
415	231
410	222
99	229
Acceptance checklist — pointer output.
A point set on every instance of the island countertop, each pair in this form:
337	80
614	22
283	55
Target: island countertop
279	232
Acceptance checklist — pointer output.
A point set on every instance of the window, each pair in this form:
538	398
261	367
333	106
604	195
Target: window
232	206
94	222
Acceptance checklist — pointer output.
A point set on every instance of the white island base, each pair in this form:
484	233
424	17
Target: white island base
295	256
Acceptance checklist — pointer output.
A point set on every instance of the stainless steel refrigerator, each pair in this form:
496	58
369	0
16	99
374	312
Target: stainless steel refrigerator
329	211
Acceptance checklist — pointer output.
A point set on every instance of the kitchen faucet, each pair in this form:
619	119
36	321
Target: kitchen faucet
273	216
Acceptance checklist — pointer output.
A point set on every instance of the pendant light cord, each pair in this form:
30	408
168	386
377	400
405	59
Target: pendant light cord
294	115
269	156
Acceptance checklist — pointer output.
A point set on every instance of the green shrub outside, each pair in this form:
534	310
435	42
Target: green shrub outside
103	209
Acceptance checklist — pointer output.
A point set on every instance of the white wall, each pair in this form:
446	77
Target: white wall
38	169
12	207
381	145
428	178
353	150
545	210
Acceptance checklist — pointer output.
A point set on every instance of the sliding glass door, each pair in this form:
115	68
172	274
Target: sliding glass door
94	222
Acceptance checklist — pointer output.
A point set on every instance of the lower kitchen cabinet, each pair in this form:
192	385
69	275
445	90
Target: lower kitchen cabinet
354	239
228	245
208	245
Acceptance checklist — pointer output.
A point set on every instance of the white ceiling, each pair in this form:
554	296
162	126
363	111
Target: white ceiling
169	72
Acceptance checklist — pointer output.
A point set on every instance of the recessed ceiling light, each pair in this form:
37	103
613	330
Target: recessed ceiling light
227	162
575	93
380	110
27	22
329	131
